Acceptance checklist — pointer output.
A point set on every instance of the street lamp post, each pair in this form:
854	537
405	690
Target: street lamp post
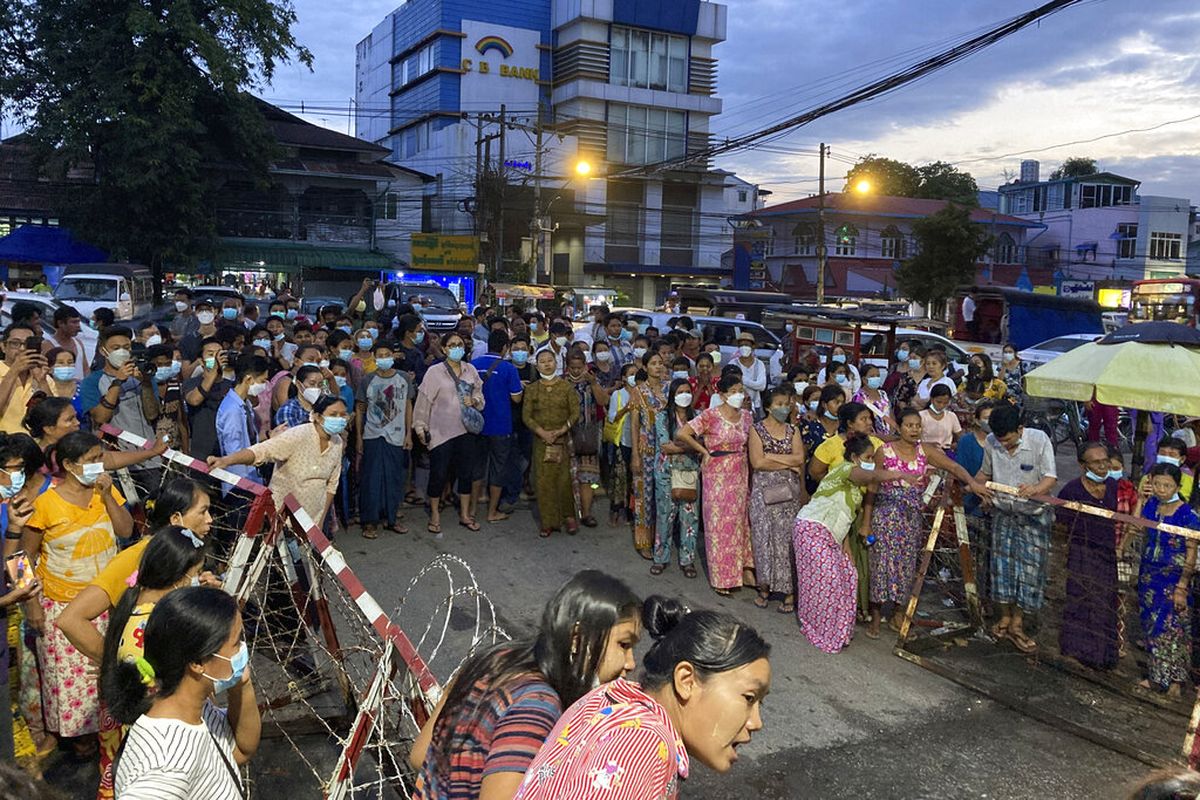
821	255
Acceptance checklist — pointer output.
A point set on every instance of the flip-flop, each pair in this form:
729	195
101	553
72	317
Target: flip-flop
1022	642
433	528
470	525
545	532
688	571
370	534
999	632
787	608
761	600
658	569
499	518
397	528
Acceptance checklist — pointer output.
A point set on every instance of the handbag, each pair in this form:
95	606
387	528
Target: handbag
585	434
779	493
683	484
553	454
472	418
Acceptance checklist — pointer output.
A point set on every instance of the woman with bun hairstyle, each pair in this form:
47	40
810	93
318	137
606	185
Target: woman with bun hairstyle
180	743
702	686
501	705
826	576
725	492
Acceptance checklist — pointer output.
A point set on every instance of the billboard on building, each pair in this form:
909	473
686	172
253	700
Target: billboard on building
440	253
501	64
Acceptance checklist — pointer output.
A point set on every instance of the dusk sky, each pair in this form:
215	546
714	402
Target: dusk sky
1099	68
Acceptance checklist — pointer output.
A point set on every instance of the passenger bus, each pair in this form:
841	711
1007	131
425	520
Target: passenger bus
1164	300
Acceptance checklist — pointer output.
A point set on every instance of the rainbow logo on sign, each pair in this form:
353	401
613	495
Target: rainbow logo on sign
494	43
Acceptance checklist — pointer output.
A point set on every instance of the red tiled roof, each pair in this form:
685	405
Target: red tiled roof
882	205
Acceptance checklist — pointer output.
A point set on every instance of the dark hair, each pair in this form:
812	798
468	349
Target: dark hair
448	335
708	356
64	313
1169	784
672	417
780	390
986	372
73	446
112	331
104	316
858	444
1170	470
22	446
848	412
1082	449
174	497
576	355
187	626
908	411
249	364
983	405
45	414
146	324
497	341
23	311
831	392
303	373
940	390
338	336
1173	443
810	390
1005	420
325	401
711	642
566	651
728	381
17	326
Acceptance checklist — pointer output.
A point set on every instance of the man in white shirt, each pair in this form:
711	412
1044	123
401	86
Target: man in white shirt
754	371
67	324
968	315
557	344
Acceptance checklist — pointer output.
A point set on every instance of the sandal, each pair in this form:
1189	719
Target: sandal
589	521
545	532
434	527
414	499
469	524
658	569
688	571
1022	642
724	592
646	553
787	607
370	533
762	599
572	530
1000	631
397	528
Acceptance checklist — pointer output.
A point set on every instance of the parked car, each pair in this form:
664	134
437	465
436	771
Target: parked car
46	306
725	331
875	349
1045	352
437	305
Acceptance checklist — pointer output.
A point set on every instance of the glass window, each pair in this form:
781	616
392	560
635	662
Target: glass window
1127	240
804	240
845	240
86	289
892	243
618	65
677	79
1006	249
639	56
638	135
658	61
1164	246
649	60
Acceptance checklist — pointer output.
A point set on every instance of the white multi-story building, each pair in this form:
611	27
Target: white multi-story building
619	84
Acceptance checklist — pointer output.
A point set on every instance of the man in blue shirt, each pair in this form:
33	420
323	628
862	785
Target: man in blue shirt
501	388
237	427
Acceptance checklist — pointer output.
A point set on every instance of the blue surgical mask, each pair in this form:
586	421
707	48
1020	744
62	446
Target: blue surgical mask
1116	474
420	337
1174	498
229	313
519	357
163	374
812	404
842	380
346	329
869	466
291	313
1091	476
901	355
63	373
1172	460
680	374
626	335
334	425
345	355
340	380
374	333
384	363
838	358
914	363
364	344
456	353
16	480
874	382
265	344
238	664
830	416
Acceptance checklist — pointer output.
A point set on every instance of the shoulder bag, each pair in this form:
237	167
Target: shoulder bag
684	484
585	434
472	418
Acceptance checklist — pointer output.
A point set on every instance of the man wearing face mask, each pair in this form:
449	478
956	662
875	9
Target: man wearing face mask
190	344
618	344
204	394
410	350
754	372
123	395
236	427
184	321
560	339
67	323
231	312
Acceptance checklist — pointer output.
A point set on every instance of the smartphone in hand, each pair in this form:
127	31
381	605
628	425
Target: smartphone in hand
20	573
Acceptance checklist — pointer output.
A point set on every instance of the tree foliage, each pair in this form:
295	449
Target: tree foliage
948	247
1074	167
151	95
892	178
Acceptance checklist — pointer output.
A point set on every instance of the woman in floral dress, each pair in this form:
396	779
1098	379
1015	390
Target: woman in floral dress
675	457
776	495
874	398
648	399
726	484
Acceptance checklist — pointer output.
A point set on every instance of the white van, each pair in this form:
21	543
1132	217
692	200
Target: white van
128	289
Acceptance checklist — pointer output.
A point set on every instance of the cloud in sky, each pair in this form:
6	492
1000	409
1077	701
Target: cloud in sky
1101	67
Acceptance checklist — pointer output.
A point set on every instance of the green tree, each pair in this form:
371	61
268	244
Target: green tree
942	181
948	247
1074	167
887	176
150	95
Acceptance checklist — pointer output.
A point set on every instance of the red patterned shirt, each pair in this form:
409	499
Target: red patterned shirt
615	743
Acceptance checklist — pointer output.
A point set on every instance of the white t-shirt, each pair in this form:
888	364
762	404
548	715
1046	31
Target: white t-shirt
926	385
968	309
167	759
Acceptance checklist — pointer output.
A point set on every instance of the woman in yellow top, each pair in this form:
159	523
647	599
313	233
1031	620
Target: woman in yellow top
980	366
72	534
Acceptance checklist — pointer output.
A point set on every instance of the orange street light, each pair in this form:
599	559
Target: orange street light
863	186
583	168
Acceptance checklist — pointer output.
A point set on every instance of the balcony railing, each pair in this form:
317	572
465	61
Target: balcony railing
290	226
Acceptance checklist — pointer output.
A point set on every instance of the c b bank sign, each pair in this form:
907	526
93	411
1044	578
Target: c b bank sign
500	64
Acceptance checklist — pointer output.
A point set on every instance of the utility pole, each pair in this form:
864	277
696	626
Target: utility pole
821	254
536	228
479	182
501	186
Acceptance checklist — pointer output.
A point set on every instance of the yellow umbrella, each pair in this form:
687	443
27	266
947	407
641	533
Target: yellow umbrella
1154	377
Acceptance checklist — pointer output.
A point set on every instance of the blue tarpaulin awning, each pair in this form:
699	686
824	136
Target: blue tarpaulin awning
37	244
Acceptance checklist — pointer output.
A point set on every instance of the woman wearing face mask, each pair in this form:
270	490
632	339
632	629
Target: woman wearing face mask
909	370
307	458
676	475
838	356
876	400
648	399
704	384
445	391
936	364
1012	372
504	700
61	380
1127	501
1089	617
585	433
894	514
700	696
726	486
308	386
820	422
607	372
1164	579
549	408
777	492
72	534
827	576
618	443
180	743
980	368
969	455
940	425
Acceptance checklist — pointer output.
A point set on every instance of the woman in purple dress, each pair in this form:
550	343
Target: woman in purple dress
1089	623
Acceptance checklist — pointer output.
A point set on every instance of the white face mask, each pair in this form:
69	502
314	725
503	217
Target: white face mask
800	386
604	357
735	400
205	317
257	388
312	394
181	306
151	341
683	399
631	380
745	350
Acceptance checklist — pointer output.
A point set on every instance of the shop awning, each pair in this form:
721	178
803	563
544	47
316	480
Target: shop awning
521	291
35	244
292	257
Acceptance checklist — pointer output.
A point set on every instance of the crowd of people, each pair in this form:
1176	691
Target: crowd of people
808	488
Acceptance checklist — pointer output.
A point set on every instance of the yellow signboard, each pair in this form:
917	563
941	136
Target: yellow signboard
434	251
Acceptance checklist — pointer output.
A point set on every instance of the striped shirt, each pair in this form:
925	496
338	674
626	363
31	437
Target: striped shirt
615	743
168	759
498	729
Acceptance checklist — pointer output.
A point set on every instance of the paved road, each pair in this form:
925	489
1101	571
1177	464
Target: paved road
862	722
